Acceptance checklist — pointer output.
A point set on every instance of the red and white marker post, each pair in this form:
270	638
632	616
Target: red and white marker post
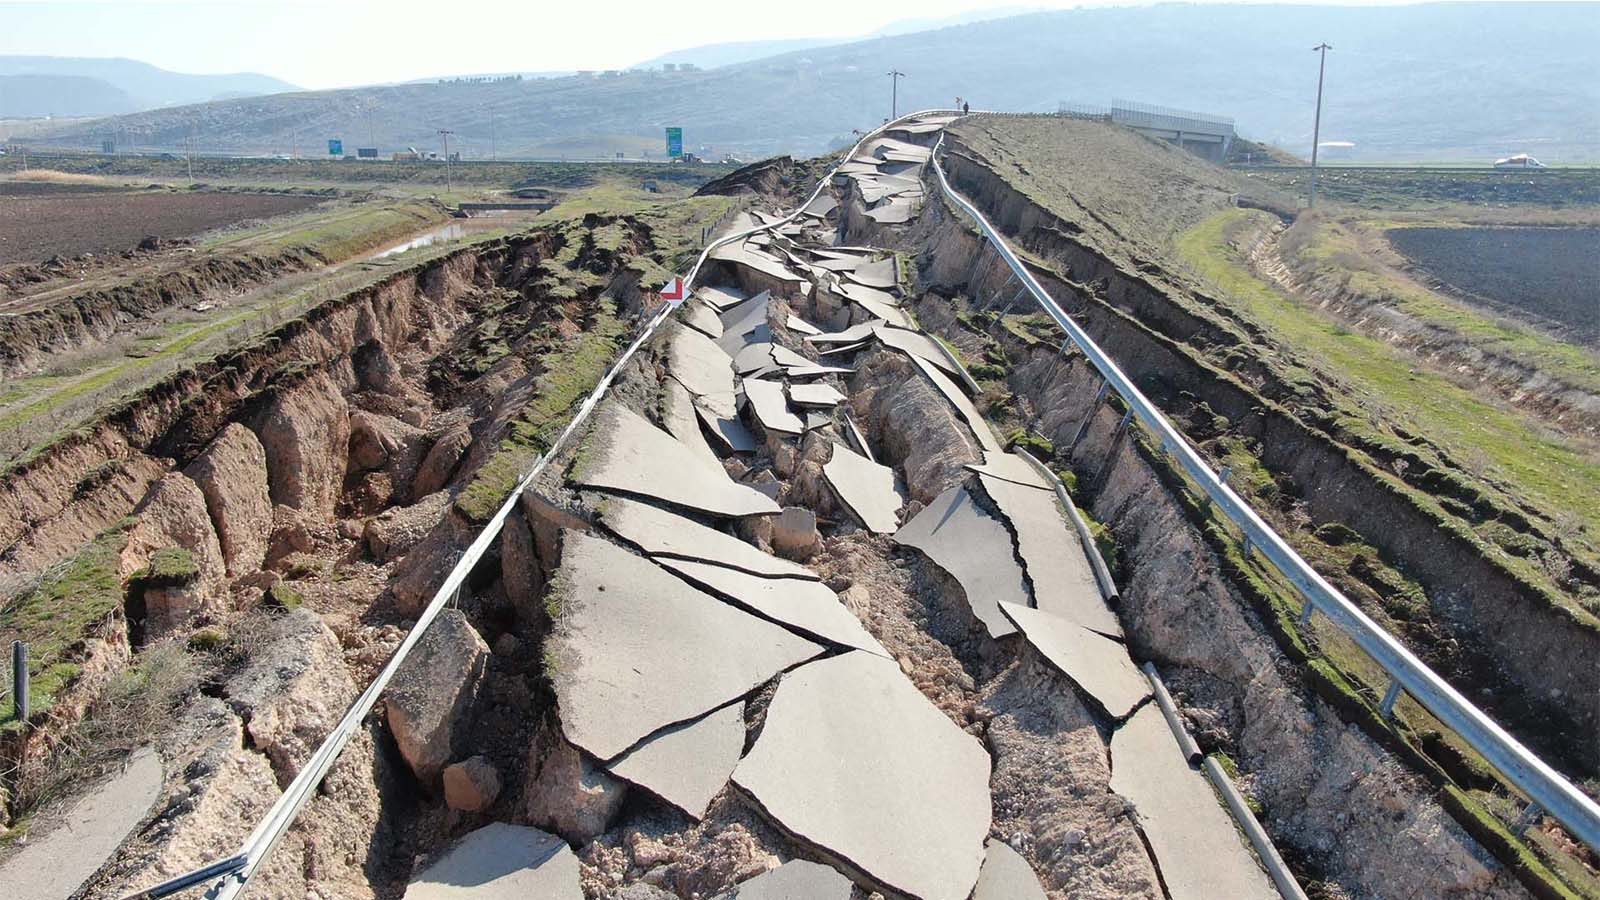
673	292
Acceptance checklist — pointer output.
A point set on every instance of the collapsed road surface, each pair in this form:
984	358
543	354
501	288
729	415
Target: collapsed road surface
800	593
790	619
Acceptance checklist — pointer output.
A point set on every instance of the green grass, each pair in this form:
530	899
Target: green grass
570	373
1549	473
74	598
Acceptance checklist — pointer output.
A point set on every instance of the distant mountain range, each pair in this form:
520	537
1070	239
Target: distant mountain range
64	86
1444	81
714	56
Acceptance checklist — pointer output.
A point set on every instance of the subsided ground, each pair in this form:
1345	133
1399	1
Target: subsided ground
1433	459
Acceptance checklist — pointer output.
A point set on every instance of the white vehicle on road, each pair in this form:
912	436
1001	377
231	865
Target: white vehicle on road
1520	161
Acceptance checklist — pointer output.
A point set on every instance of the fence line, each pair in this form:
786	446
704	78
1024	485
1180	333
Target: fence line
1547	789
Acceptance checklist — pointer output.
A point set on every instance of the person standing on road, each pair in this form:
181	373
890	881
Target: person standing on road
965	109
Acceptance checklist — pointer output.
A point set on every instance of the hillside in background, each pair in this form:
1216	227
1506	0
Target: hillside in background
1436	82
72	86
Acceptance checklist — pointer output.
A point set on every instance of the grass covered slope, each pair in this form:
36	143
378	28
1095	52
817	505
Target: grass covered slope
1526	493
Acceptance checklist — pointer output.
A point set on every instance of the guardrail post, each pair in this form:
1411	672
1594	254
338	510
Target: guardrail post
1111	454
1390	698
1306	612
19	680
1530	815
1083	427
1247	547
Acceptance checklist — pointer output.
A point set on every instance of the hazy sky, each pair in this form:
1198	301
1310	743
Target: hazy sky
345	42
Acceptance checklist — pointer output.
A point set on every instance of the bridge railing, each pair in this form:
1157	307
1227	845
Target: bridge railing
1546	788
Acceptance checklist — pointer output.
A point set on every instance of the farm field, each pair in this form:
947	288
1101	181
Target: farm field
1397	188
37	226
1545	273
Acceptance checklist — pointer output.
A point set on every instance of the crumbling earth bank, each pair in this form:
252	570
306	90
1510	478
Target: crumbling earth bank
276	499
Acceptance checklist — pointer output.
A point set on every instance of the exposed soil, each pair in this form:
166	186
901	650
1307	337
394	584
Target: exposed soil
34	228
305	487
1184	354
1551	274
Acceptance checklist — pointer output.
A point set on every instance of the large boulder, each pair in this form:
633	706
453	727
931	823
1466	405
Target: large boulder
393	533
429	703
232	474
568	793
471	785
794	534
305	431
292	691
175	550
442	459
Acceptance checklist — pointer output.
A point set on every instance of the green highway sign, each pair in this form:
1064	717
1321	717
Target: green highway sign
674	142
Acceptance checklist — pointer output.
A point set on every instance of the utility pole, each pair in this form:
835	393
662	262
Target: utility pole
445	133
894	92
493	154
190	154
1316	129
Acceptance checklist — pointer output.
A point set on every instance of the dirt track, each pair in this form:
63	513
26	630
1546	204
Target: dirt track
66	223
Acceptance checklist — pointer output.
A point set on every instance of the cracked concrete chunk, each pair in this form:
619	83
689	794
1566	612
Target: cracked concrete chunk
497	861
818	395
1006	876
85	833
734	436
866	489
975	549
913	343
880	273
688	764
795	323
721	298
854	333
1053	556
704	368
771	408
1013	468
683	421
878	304
856	762
430	700
797	879
1196	845
963	404
754	358
636	649
702	318
746	324
1097	664
656	531
627	453
809	607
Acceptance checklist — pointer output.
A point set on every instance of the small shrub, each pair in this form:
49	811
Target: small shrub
1039	446
282	596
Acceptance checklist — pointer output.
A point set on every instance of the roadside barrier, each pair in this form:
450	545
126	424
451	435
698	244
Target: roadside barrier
228	877
1546	789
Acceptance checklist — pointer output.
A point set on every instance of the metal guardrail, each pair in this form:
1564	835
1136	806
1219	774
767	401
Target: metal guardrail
228	877
1545	787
